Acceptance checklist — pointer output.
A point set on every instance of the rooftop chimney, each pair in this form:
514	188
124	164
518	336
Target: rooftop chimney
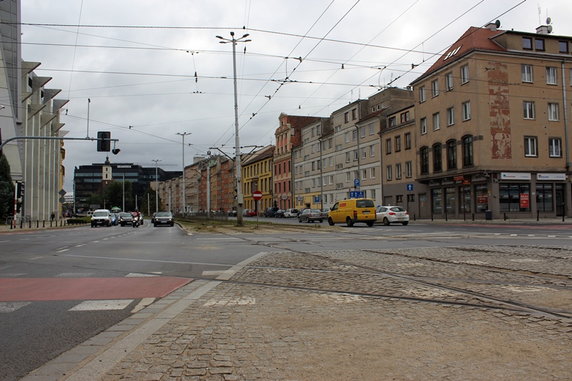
544	29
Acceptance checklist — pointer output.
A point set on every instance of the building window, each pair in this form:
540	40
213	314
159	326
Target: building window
422	97
539	44
388	173
449	81
467	144
392	121
348	157
424	160
398	171
387	146
354	114
451	154
346	117
404	117
530	146
464	73
551	76
526	73
553	112
563	47
436	121
554	147
408	169
466	110
372	150
407	140
527	43
528	109
544	198
450	116
372	172
437	158
435	88
423	126
510	196
398	143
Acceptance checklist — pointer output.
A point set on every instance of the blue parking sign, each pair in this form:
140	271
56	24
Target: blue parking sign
409	187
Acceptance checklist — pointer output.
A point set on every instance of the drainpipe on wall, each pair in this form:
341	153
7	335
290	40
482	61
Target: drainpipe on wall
566	144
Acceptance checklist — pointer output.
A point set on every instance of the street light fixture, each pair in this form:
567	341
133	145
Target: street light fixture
184	201
239	196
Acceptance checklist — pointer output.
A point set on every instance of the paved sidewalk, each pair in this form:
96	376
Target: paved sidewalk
349	315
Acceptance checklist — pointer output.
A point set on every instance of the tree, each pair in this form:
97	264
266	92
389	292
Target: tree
113	195
6	189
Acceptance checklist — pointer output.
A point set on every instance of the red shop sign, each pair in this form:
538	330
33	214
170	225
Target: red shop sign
524	200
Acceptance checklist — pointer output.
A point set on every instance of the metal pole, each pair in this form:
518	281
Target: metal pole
156	161
239	195
123	193
88	102
238	174
208	188
183	201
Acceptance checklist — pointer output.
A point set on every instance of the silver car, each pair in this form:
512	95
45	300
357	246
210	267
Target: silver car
388	214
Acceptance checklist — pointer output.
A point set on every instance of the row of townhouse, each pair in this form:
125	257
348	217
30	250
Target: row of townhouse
483	132
29	109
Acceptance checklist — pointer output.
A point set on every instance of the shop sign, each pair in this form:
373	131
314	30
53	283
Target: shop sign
515	176
482	199
524	201
551	176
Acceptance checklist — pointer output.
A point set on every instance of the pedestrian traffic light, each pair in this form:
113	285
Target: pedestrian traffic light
103	141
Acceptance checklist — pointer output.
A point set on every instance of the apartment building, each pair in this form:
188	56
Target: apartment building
216	184
257	172
492	125
287	136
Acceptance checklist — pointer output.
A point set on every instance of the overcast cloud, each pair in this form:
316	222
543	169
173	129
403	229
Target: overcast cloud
138	67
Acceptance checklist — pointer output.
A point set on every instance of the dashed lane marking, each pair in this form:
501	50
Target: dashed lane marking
7	307
102	305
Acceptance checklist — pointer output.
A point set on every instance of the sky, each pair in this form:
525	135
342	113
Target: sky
148	71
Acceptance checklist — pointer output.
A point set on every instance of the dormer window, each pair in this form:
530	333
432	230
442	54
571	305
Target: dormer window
539	44
527	43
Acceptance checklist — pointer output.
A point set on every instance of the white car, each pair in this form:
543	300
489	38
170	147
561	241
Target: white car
101	217
290	213
388	214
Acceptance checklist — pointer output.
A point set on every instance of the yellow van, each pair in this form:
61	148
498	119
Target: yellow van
352	211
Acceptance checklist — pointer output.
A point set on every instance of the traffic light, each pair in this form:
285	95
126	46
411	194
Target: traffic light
103	141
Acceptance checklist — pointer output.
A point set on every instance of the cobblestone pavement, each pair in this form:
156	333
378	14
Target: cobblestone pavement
489	313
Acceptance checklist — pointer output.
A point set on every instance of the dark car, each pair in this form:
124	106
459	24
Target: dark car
279	213
270	212
310	215
164	218
125	219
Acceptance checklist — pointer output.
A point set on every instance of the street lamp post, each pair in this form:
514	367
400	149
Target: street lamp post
156	185
239	196
184	201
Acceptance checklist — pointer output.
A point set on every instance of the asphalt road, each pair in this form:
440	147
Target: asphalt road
45	314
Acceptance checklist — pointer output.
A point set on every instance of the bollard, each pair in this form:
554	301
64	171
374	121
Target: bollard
504	216
43	223
473	214
538	215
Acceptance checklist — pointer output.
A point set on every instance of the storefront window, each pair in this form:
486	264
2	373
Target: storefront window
465	197
437	200
514	197
544	199
482	198
450	200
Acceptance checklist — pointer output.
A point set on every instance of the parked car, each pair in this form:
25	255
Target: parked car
270	212
248	213
231	213
125	218
101	217
388	214
164	218
352	211
292	212
279	213
310	215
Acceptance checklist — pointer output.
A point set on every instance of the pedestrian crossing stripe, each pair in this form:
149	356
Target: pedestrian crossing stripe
102	305
7	307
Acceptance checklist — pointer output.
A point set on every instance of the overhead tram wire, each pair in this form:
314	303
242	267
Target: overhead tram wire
75	47
302	60
278	68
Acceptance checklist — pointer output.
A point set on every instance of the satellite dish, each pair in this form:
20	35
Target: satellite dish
497	23
549	28
548	20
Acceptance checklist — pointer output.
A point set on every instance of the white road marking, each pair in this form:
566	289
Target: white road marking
149	260
80	245
6	307
102	305
74	275
139	275
62	250
142	304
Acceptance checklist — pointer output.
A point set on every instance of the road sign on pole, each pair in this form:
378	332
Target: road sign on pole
257	195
